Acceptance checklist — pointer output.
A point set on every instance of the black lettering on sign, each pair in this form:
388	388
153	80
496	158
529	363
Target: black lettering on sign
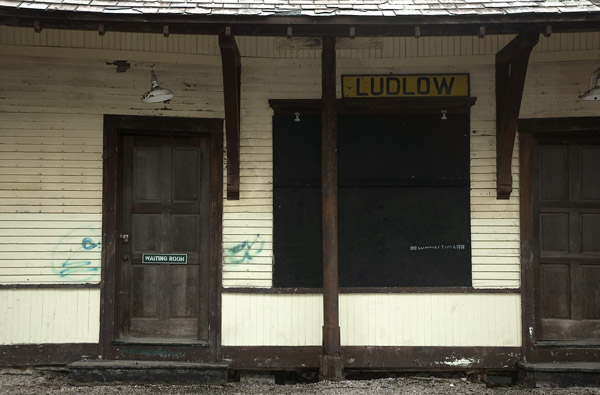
358	91
373	91
443	85
404	91
423	85
388	86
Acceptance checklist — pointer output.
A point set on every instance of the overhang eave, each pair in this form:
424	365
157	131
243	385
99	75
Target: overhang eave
278	25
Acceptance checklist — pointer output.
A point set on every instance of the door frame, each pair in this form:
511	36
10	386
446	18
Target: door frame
529	131
115	126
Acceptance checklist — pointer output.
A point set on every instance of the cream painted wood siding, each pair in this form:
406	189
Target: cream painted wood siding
50	164
52	106
56	85
294	48
49	316
50	195
374	320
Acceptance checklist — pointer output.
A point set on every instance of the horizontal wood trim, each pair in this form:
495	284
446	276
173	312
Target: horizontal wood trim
51	286
572	344
151	124
420	105
431	358
548	353
559	125
279	358
392	290
376	358
46	354
440	25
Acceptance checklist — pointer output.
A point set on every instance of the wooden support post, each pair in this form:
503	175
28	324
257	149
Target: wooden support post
232	68
331	361
511	69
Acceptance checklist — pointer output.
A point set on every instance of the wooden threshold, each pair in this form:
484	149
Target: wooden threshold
159	341
391	290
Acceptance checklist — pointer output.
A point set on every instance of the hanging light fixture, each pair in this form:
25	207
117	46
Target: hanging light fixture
593	93
156	94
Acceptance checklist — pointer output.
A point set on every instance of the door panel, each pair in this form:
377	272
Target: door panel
553	172
164	210
568	232
591	288
556	288
554	232
590	223
590	182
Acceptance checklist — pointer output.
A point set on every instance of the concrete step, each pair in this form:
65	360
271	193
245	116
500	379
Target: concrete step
565	374
136	372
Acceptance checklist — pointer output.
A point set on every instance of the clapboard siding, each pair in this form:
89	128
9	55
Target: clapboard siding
374	320
51	155
51	191
31	316
51	137
294	48
56	86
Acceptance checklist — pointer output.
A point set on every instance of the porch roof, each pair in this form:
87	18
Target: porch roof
307	17
318	8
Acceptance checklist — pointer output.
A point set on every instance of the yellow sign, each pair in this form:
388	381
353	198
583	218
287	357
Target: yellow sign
408	85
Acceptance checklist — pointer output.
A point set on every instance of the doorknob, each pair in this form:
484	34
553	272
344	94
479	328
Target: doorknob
124	237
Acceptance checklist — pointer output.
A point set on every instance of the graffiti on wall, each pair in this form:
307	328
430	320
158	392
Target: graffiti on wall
75	264
458	247
245	251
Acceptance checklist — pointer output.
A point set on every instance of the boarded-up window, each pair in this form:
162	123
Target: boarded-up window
403	201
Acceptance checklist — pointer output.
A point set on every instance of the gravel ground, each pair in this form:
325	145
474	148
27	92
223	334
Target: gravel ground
15	382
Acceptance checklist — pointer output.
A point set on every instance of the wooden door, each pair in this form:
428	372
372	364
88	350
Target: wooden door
567	222
164	214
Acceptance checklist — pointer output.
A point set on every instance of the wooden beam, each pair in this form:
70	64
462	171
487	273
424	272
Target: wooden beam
331	361
511	69
303	26
232	68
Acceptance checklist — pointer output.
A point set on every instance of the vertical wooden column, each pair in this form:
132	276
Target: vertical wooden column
331	361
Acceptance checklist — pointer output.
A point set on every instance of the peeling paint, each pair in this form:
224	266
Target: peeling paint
460	362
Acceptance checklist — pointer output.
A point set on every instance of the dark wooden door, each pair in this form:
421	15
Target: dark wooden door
164	210
567	205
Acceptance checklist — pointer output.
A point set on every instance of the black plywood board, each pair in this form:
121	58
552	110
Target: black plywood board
297	151
404	210
297	242
402	237
403	151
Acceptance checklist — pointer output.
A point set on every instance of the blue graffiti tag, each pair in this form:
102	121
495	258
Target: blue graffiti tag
88	244
71	266
76	267
246	251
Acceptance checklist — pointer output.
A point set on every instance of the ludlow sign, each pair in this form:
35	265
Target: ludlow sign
405	85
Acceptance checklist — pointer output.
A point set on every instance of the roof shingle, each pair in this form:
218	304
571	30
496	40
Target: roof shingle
312	7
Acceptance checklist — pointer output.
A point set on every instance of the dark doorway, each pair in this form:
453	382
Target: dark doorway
164	215
162	221
567	228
